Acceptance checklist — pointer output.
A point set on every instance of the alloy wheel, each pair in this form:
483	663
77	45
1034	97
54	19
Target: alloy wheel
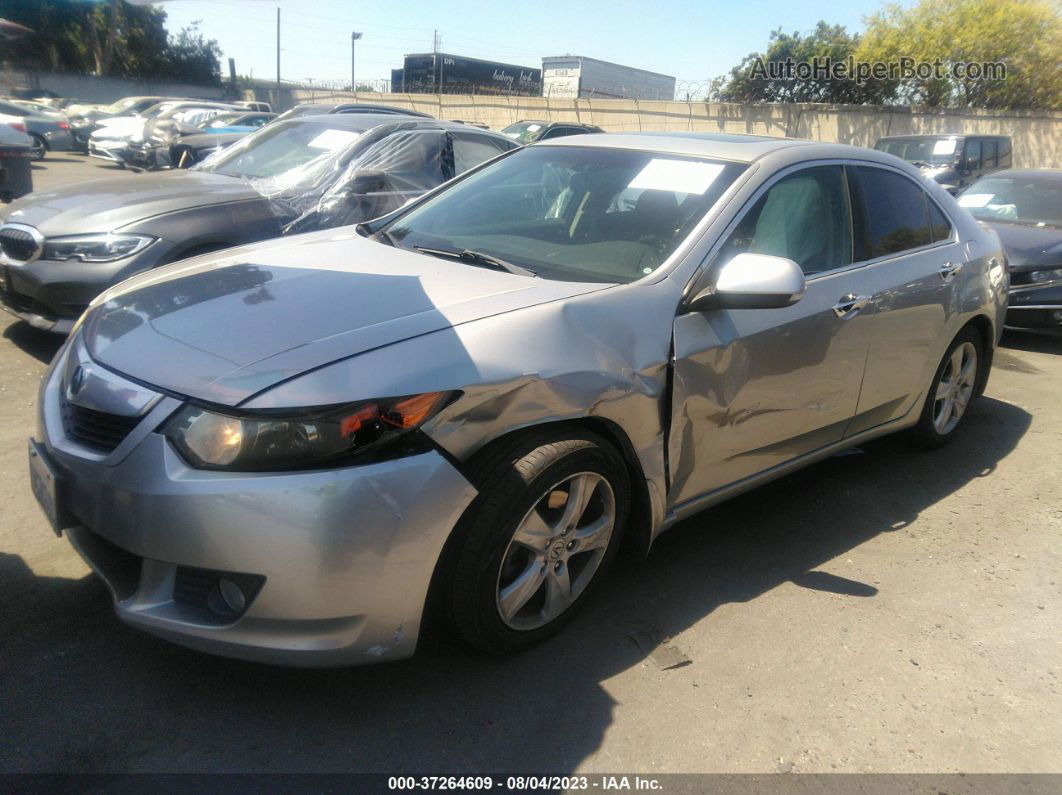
38	149
555	551
955	388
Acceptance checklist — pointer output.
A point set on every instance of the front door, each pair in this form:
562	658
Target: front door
755	388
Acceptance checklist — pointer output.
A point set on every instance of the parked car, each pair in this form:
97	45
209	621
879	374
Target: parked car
162	138
112	137
527	132
16	147
1024	207
278	452
315	109
48	133
952	160
66	245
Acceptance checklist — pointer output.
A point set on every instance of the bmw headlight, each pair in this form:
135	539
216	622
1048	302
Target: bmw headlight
313	438
95	248
1039	277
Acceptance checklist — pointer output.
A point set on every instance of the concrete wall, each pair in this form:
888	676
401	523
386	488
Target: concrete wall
1037	135
93	89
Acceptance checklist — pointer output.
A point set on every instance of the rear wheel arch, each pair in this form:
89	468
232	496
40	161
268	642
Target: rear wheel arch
987	331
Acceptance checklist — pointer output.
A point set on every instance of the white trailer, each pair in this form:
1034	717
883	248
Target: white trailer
575	76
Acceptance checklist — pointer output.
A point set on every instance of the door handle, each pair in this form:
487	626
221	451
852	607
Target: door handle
849	305
949	269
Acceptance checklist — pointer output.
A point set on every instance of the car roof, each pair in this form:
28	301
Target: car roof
726	146
367	121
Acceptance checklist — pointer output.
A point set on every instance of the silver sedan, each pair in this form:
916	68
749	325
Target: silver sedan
289	451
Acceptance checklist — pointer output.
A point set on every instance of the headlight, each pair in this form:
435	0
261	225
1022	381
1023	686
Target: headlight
95	248
314	438
1038	277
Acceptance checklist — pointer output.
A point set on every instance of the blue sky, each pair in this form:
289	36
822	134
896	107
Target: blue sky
687	39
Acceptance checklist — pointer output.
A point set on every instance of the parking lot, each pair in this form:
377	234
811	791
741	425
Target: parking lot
885	610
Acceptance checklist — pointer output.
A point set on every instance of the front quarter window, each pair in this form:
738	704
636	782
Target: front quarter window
572	213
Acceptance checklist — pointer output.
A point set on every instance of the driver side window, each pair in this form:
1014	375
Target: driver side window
805	217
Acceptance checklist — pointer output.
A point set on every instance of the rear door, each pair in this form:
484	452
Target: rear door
755	388
913	263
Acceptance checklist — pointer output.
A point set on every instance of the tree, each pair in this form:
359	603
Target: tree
1023	35
748	81
110	38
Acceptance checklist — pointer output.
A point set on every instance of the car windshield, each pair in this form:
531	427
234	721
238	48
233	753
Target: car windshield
223	120
1017	200
121	105
940	151
571	213
523	131
284	156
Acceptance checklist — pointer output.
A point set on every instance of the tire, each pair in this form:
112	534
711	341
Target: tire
40	147
934	429
526	485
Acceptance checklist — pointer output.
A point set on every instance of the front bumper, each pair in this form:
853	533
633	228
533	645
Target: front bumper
51	294
1035	306
342	558
107	149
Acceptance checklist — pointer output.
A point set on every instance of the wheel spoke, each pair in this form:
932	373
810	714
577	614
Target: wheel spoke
558	593
580	489
595	535
533	532
956	363
515	595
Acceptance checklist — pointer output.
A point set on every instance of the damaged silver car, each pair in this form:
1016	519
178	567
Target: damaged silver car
288	451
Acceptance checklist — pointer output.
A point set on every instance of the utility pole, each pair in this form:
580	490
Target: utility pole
354	36
278	55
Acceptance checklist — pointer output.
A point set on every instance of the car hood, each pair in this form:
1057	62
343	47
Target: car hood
107	205
1029	247
211	140
222	329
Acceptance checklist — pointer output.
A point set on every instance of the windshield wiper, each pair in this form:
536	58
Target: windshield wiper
478	258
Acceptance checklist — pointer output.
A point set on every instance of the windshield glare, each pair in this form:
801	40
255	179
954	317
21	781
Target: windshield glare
931	151
1035	202
291	155
573	213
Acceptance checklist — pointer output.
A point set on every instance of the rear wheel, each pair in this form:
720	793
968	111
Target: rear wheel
39	147
952	391
547	522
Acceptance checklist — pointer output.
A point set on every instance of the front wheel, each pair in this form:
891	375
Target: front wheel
951	392
39	148
538	538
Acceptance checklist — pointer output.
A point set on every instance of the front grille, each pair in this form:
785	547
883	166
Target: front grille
18	244
17	301
97	430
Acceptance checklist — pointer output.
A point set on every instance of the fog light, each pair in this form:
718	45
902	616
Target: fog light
233	595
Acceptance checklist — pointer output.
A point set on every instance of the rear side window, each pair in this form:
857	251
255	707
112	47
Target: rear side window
896	214
804	217
988	153
939	224
972	155
1004	153
470	150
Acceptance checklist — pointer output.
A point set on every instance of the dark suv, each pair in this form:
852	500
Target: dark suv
952	160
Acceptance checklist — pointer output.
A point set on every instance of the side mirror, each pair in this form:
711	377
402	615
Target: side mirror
367	180
752	281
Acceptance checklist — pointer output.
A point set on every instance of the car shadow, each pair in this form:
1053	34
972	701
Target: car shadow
84	692
41	345
1039	341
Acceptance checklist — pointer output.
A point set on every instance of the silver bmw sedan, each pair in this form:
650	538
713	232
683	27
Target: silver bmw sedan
288	451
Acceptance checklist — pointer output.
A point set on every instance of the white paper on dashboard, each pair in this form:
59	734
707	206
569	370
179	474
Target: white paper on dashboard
975	199
333	139
680	176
